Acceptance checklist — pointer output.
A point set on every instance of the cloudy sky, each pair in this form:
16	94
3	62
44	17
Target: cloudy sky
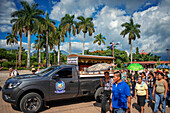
108	15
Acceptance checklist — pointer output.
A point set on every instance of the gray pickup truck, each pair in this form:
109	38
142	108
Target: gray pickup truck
30	92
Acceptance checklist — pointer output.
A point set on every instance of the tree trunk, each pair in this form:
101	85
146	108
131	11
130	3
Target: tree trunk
20	49
58	61
38	52
11	48
29	46
49	58
39	56
69	42
54	57
46	49
83	44
131	52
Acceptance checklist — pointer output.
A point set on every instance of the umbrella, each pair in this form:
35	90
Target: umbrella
98	67
163	66
135	67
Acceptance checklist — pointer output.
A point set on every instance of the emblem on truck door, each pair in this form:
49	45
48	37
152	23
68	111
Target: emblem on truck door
60	86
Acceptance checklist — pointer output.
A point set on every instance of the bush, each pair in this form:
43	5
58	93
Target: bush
21	68
8	64
5	68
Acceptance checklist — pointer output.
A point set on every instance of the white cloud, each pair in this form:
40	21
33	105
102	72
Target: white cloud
76	47
15	46
6	8
29	1
78	8
5	28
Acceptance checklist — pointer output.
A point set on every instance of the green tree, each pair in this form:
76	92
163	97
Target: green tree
11	39
18	27
99	39
132	30
68	24
137	50
49	27
86	25
31	15
59	37
39	28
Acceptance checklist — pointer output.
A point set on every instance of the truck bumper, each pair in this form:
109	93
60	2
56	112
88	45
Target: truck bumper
8	96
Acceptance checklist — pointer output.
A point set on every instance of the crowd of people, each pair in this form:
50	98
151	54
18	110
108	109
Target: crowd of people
145	86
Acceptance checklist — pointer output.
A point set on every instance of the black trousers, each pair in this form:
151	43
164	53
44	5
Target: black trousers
106	97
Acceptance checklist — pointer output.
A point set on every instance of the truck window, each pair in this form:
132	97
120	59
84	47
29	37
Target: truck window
65	73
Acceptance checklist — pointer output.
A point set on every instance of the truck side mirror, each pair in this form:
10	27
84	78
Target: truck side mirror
55	76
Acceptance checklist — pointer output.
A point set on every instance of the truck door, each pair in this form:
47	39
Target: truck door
65	85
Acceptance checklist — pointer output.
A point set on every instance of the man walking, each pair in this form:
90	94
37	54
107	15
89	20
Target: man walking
121	96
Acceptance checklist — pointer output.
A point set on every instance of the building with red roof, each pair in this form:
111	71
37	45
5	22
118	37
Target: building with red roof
143	52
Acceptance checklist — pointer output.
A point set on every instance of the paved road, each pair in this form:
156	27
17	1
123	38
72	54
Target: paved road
76	105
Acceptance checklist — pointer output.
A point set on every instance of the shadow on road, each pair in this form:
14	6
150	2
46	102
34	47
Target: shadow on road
151	104
136	106
99	105
63	102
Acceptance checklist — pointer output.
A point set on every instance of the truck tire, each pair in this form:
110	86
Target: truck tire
99	94
31	103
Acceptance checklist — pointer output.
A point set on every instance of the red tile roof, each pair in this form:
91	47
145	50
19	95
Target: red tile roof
151	62
143	53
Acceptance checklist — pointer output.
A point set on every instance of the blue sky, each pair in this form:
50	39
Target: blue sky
108	15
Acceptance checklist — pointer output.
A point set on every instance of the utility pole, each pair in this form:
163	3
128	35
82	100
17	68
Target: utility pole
168	53
113	44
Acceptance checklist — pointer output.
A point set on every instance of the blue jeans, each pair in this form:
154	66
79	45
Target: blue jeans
158	98
119	110
133	91
167	98
150	89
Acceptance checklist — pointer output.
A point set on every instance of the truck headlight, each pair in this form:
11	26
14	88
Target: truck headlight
13	85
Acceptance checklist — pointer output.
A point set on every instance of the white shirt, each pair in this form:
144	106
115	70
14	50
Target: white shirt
14	73
108	85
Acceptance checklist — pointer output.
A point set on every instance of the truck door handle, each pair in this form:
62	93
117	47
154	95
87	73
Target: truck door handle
71	82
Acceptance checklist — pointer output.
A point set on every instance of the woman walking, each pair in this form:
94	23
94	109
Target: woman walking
141	90
160	91
133	82
107	84
150	83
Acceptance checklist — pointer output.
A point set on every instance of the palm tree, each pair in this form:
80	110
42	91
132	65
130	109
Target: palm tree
132	30
85	25
39	30
59	37
18	27
100	39
38	47
11	39
49	26
68	24
31	15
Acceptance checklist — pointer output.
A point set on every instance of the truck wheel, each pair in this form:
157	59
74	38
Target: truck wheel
31	103
99	94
